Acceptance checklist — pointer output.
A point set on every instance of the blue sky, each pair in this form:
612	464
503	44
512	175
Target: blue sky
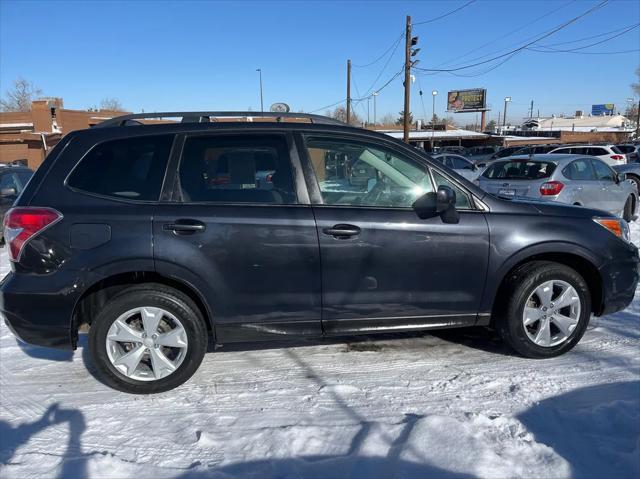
170	55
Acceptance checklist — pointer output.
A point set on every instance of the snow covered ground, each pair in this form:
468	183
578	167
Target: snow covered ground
452	404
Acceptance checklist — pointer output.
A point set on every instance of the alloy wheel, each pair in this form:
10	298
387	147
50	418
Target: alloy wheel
551	313
146	343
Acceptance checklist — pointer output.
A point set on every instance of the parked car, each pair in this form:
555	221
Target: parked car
630	151
607	153
13	179
572	179
500	152
536	149
631	171
459	164
480	154
449	149
120	230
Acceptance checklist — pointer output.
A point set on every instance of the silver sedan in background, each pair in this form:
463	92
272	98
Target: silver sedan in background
573	179
459	164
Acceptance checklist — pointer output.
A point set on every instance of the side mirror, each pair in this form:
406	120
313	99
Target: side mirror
6	192
442	203
620	177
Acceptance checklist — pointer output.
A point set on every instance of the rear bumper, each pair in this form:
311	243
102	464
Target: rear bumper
39	308
620	278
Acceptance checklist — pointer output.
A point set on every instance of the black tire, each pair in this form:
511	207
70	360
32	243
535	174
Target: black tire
148	295
520	284
627	213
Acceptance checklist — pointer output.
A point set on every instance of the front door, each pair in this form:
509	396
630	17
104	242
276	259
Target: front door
237	229
611	194
382	267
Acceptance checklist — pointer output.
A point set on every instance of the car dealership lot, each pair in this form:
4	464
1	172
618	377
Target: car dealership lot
446	404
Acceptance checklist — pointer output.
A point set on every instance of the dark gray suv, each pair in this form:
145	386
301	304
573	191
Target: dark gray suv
161	237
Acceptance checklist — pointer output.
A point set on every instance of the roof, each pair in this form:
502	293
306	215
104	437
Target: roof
559	158
436	134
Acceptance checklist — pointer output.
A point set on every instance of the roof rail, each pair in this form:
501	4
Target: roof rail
211	116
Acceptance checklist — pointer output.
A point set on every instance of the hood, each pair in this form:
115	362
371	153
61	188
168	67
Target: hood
540	206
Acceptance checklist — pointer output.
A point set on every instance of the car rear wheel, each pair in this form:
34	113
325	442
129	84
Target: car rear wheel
547	310
148	339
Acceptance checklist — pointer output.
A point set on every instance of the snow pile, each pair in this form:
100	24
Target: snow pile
452	404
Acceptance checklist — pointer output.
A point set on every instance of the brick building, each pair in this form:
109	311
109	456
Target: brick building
26	137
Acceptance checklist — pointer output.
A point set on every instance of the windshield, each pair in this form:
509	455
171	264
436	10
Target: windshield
519	170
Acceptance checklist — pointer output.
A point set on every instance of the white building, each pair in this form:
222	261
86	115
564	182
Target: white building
617	123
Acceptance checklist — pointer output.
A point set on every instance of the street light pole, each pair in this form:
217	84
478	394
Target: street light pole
259	70
433	118
375	94
507	99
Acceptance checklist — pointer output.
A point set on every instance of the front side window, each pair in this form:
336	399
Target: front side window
354	173
129	168
603	172
462	199
458	163
236	169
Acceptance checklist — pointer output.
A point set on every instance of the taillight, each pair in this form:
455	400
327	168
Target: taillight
617	157
23	223
551	188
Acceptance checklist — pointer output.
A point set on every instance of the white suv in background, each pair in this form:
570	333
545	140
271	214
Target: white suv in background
610	154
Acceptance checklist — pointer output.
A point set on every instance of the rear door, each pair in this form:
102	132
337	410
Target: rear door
585	188
611	194
382	267
236	223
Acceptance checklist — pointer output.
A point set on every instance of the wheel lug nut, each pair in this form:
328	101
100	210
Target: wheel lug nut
155	336
144	335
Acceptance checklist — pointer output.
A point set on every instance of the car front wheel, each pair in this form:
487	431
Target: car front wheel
548	306
148	339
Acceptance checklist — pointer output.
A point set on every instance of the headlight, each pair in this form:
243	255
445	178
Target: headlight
617	226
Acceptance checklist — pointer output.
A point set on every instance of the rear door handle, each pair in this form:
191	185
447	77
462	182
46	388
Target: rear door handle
184	226
342	231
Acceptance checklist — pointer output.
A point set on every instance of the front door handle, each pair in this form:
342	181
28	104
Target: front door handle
184	226
342	231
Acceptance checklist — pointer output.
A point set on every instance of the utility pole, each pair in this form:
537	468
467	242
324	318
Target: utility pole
407	80
348	92
638	122
507	99
375	94
261	103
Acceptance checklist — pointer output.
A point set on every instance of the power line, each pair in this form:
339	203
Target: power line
523	47
554	50
435	19
586	53
527	25
590	37
393	44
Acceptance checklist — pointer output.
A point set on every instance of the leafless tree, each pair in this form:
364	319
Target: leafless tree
19	98
340	113
112	104
636	85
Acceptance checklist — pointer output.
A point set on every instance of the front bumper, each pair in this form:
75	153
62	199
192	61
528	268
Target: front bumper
39	308
620	277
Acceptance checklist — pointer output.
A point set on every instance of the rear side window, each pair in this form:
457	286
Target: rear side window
579	170
596	151
236	169
520	170
129	168
563	151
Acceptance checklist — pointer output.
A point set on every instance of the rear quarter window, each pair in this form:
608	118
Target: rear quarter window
128	168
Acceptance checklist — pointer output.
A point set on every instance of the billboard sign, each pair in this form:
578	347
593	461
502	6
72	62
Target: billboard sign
603	109
460	101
